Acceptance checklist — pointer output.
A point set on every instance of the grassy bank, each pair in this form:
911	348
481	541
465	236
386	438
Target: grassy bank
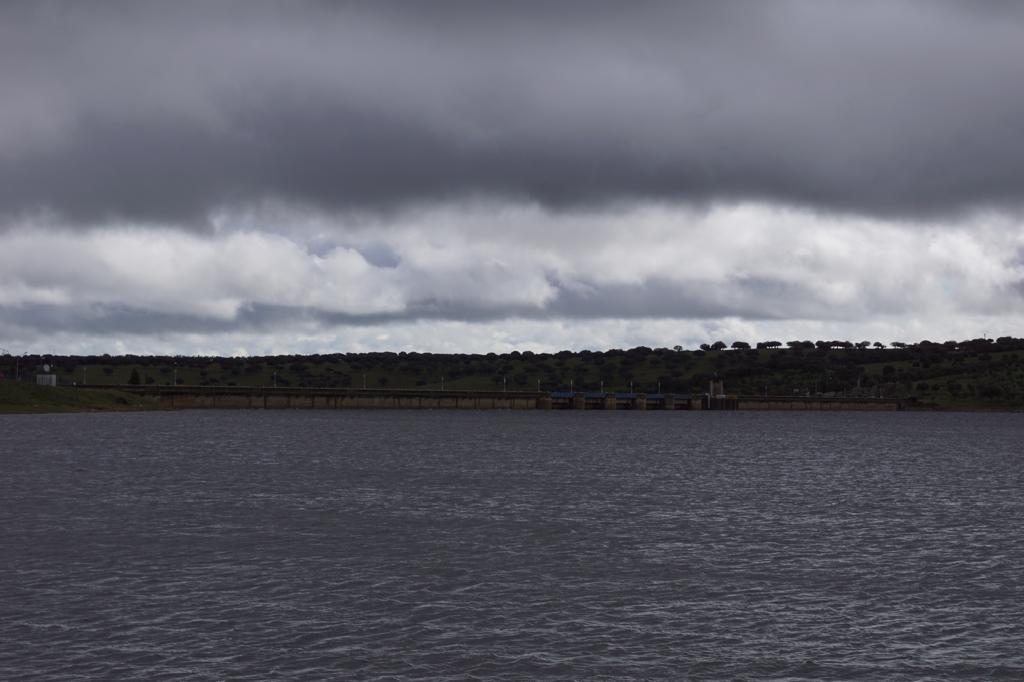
21	398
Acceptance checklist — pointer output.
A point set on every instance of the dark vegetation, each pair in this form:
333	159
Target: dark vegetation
19	397
978	373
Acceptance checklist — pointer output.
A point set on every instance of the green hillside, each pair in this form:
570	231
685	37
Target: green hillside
21	397
974	374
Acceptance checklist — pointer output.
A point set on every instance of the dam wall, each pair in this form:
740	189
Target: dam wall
313	399
266	398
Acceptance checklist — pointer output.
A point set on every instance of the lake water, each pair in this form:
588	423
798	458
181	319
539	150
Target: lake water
460	545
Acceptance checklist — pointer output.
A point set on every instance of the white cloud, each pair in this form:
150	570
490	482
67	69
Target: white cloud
484	276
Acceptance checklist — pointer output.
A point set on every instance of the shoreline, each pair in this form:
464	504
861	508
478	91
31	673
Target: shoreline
32	399
24	398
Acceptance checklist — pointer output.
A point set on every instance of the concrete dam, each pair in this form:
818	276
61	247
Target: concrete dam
266	398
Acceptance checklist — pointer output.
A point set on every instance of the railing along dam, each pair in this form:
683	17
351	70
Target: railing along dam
248	397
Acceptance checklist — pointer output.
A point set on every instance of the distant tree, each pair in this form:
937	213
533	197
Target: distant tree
740	345
705	346
898	344
677	349
878	344
863	344
718	345
989	391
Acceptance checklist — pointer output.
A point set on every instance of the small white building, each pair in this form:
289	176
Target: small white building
46	379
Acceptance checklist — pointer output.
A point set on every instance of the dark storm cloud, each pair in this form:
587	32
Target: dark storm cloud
756	300
166	111
659	298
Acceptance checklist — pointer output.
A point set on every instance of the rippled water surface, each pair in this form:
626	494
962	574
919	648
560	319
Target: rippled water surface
433	545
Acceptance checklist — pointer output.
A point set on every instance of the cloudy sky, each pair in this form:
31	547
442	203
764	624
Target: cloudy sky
267	177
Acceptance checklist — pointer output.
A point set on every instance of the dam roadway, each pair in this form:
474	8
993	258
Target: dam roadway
255	397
